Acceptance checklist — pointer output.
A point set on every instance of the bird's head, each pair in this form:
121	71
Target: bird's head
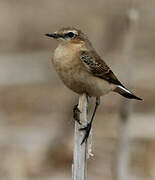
67	35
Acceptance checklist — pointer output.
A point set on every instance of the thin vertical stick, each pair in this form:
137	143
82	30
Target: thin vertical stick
126	108
80	151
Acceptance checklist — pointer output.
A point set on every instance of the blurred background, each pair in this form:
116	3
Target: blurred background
36	125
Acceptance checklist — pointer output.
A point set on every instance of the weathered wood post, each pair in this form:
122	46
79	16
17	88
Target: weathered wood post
80	154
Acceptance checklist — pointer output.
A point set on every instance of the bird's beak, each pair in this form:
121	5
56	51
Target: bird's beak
53	35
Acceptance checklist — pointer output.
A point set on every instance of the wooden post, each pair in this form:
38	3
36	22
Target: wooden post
79	166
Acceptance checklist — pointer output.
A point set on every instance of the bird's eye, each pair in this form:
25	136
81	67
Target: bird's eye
70	34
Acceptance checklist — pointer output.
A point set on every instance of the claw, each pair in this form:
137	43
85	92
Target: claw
87	132
76	112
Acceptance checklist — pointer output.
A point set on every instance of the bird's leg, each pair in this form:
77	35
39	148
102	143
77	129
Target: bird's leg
89	125
76	112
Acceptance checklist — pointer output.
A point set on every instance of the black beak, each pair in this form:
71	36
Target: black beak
53	35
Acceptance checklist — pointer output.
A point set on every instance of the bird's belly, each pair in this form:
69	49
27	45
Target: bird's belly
76	77
81	81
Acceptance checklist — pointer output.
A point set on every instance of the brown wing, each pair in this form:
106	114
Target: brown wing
98	67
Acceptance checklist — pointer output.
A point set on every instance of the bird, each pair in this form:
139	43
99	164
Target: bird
83	71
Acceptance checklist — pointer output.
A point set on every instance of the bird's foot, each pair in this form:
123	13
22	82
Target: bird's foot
87	132
76	113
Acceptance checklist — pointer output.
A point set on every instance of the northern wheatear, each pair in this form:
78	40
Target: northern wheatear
83	71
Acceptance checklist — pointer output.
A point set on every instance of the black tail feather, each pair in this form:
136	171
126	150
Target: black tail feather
130	96
126	93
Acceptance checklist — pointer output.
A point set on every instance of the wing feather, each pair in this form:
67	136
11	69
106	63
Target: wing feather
98	67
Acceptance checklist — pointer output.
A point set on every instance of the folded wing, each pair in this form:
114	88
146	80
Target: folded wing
98	67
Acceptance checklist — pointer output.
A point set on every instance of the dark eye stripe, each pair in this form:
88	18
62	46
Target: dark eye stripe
70	35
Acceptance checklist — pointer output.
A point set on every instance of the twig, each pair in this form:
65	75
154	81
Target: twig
79	166
126	108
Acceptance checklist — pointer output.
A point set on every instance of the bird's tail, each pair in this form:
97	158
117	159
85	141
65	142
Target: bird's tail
126	93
